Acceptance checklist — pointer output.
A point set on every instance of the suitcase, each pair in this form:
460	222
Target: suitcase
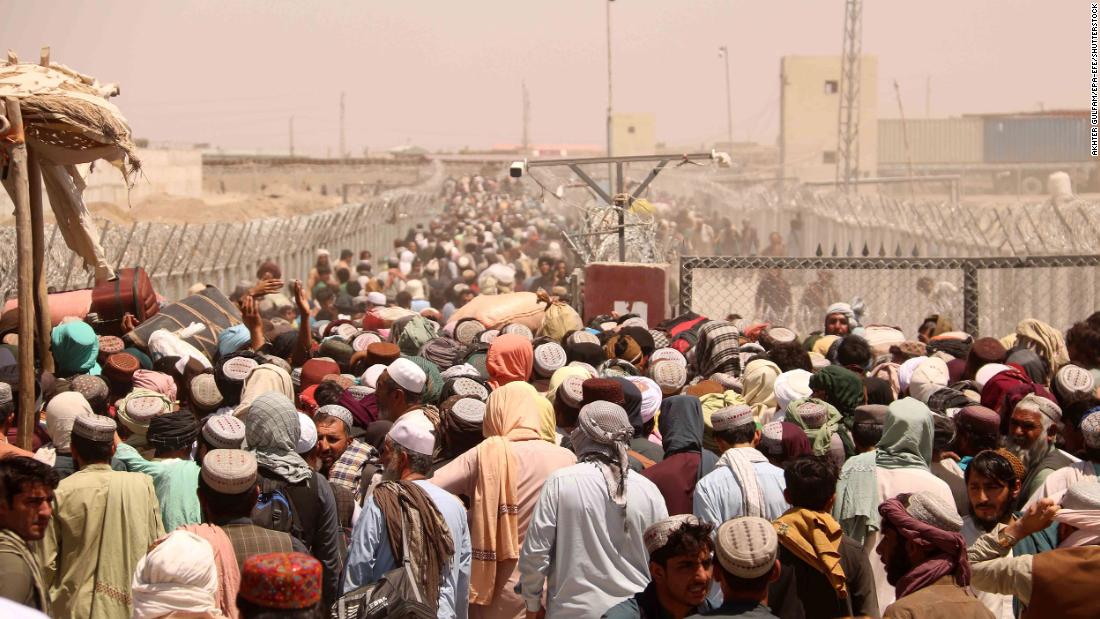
209	307
131	292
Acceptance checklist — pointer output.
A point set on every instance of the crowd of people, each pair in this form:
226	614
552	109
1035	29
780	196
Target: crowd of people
361	444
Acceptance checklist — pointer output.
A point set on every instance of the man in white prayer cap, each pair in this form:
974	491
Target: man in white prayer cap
398	389
1034	423
585	544
436	541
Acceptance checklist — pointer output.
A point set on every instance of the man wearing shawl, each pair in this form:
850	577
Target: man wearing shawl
1057	583
26	506
718	349
1031	430
685	461
759	388
585	544
175	475
926	560
272	431
832	574
899	463
502	477
839	319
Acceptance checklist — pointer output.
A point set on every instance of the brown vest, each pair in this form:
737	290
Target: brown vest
1063	584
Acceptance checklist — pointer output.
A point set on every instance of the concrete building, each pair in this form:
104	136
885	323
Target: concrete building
633	134
810	107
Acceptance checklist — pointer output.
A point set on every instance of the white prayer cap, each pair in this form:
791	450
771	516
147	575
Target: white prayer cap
308	438
370	377
1033	402
934	511
1090	429
731	417
408	375
657	534
229	471
905	371
987	372
747	546
339	412
412	435
376	298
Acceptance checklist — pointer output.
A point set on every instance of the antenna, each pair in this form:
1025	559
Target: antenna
847	160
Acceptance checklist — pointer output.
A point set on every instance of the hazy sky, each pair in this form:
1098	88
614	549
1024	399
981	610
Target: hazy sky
447	73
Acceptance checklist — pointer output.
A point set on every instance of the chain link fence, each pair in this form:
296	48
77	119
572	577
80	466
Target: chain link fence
983	296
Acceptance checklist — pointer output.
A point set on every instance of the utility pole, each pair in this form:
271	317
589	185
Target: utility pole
526	120
724	52
343	144
847	151
291	136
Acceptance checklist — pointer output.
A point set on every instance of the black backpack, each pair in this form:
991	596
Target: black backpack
274	509
396	595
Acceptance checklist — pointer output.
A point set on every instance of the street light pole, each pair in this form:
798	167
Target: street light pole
724	52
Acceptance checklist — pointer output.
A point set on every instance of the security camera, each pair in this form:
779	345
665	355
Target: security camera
517	168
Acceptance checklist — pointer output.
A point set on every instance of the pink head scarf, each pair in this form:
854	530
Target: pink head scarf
510	358
155	381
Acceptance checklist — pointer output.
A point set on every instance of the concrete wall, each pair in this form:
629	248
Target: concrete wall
174	172
809	114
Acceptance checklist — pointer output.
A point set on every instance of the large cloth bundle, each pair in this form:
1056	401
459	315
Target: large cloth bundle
496	310
129	293
209	307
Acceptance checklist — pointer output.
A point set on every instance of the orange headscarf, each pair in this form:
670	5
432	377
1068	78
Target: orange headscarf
510	358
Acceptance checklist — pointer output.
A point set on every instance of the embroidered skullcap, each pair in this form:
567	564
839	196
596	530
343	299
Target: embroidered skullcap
602	389
746	547
1090	429
1083	495
782	335
6	397
1038	403
109	345
571	392
932	510
95	428
660	338
413	435
470	410
731	417
238	368
307	438
281	580
468	330
771	438
364	340
1073	383
408	375
657	534
582	337
668	354
978	419
518	329
229	471
345	331
670	376
1018	468
342	380
592	372
813	414
634	321
93	388
205	395
339	412
873	414
120	367
376	298
487	336
548	358
467	387
223	432
142	408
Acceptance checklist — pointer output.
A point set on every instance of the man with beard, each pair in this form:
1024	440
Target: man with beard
1031	430
993	486
342	457
1066	477
925	558
437	543
681	563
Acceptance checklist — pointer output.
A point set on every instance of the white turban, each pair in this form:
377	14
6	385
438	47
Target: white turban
905	372
179	575
790	386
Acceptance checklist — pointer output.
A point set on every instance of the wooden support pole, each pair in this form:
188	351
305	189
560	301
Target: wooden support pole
19	190
38	241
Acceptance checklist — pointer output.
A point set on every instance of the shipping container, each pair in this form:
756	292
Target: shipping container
1036	139
931	141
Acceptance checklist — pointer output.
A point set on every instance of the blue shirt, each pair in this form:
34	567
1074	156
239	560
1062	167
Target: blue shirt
370	556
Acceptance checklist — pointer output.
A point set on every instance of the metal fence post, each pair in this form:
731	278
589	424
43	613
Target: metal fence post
971	296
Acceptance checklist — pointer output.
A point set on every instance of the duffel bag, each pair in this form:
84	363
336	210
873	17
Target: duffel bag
209	307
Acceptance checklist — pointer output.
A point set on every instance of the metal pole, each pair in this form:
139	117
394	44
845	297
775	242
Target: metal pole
621	205
610	178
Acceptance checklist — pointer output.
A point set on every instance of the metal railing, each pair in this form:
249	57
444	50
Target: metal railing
983	296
